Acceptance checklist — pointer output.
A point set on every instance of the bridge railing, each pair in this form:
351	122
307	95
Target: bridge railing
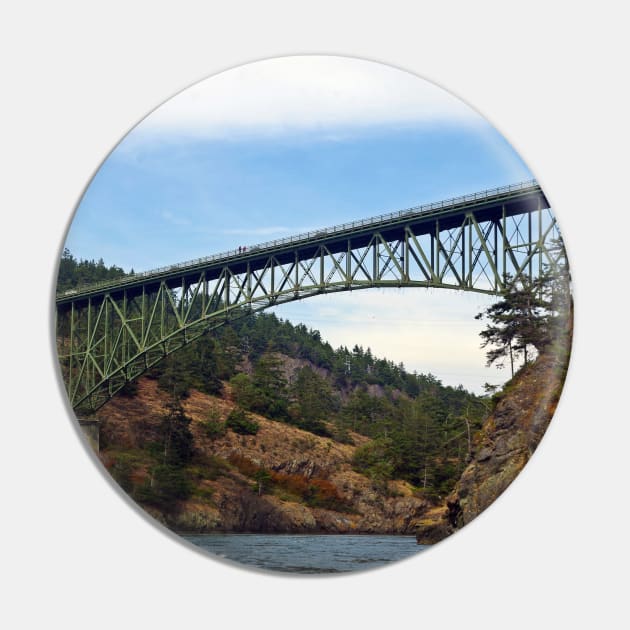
306	236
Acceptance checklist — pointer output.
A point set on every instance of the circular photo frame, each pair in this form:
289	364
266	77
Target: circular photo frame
313	314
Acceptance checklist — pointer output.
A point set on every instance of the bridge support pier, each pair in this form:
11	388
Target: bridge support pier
90	429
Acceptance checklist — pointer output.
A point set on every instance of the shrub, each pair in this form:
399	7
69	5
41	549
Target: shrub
315	492
214	429
204	494
121	471
168	484
206	467
241	423
342	435
245	465
306	443
263	479
323	494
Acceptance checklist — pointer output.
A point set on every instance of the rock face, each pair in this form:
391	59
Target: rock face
502	448
229	501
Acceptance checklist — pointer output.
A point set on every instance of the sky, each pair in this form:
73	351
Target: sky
287	145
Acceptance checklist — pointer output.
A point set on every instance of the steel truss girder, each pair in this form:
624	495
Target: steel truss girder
106	340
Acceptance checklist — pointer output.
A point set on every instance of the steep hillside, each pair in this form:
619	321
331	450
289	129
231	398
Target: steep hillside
282	479
501	449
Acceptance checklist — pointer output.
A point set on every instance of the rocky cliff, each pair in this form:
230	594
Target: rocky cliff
501	449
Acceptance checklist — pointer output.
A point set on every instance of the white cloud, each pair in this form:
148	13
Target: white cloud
307	93
430	330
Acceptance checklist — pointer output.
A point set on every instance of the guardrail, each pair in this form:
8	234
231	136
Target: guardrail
306	236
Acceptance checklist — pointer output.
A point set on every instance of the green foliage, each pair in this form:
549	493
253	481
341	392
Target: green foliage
241	423
264	334
315	402
177	440
74	273
263	480
243	390
169	481
528	317
207	467
121	471
213	426
168	484
198	365
203	493
517	322
271	388
214	429
265	392
375	459
341	434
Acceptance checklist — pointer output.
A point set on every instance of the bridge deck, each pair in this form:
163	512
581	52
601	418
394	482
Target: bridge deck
487	205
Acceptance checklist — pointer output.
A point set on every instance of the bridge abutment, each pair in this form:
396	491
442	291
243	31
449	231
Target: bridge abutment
90	430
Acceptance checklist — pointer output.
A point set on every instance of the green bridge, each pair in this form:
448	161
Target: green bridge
110	333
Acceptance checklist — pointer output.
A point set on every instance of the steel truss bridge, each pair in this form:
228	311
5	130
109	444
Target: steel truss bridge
110	333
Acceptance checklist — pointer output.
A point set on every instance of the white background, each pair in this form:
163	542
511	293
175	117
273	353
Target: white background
552	552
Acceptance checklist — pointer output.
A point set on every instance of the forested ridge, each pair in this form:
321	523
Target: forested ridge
75	272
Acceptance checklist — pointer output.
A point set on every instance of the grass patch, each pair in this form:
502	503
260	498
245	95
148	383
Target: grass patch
204	494
208	467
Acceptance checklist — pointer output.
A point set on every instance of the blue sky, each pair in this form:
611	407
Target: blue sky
283	146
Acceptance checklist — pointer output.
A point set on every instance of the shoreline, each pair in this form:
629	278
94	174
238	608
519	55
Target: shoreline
228	533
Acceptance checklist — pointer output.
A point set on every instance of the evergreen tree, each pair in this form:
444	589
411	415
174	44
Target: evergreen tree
177	440
555	288
314	401
517	324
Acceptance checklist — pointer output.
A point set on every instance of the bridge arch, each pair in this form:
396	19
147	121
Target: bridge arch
110	333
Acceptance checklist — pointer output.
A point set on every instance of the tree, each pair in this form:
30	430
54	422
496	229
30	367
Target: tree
555	288
195	365
177	440
518	322
263	479
270	388
243	390
169	483
241	423
314	401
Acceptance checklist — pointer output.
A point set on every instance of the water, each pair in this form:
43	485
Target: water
306	553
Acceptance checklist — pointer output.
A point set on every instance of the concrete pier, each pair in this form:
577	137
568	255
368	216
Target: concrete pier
90	428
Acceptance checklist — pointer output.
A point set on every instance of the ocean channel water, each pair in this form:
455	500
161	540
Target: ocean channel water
306	553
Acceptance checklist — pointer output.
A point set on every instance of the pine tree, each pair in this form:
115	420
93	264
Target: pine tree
177	439
314	401
518	323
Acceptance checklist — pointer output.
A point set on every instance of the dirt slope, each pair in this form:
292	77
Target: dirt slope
226	497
